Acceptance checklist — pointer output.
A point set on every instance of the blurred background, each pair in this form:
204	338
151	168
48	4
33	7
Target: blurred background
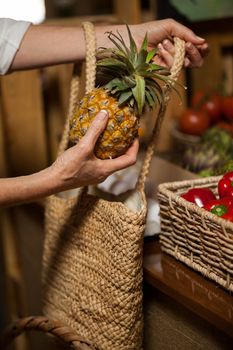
33	106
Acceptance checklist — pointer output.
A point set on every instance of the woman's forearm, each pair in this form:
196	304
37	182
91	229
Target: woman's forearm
23	189
45	45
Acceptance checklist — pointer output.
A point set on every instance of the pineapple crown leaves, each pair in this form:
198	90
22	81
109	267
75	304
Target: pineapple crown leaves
131	74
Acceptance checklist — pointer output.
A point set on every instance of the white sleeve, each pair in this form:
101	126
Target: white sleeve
11	34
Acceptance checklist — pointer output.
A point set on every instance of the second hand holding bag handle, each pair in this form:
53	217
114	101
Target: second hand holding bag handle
174	74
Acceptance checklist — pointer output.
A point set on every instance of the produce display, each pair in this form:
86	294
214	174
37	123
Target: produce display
220	204
127	85
211	154
207	108
210	119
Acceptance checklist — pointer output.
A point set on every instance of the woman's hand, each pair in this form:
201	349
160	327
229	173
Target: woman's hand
160	34
78	166
194	57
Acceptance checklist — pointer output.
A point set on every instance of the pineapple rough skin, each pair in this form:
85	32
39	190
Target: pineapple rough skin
122	126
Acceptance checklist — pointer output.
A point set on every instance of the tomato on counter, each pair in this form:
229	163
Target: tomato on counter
227	107
209	102
194	122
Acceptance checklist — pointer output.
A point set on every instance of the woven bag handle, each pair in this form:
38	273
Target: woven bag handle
43	324
174	73
90	73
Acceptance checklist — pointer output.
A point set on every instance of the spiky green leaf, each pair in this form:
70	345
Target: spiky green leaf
155	67
124	97
144	44
139	93
118	43
133	47
113	63
152	93
129	81
117	84
150	99
150	55
141	60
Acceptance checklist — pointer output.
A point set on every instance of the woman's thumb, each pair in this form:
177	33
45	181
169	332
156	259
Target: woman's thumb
97	127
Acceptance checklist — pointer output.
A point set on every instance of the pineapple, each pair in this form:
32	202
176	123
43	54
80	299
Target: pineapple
127	85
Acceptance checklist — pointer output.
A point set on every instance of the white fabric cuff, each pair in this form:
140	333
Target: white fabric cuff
11	35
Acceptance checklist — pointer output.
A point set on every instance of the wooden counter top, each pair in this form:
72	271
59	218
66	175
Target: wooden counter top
188	287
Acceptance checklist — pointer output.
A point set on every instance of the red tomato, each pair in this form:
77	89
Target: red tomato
227	107
210	103
194	122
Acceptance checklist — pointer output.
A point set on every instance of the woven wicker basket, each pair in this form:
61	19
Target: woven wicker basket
195	236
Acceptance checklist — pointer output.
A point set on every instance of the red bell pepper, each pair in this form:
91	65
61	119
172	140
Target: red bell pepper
222	207
229	214
225	185
229	175
199	196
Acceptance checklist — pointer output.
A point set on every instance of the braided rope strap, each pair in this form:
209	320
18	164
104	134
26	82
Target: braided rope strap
90	73
174	73
39	323
90	40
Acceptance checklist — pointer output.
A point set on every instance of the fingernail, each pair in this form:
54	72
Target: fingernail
200	38
189	45
186	63
103	114
160	47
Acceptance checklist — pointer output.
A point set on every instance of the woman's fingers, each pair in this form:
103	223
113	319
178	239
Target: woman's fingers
124	161
195	54
165	57
193	58
168	46
96	128
177	29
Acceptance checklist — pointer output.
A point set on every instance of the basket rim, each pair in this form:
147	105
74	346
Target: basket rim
167	187
182	183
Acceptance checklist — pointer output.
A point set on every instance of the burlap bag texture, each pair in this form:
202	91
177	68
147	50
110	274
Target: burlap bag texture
92	261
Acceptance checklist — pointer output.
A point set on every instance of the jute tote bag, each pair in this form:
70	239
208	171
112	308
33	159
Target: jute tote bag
93	249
